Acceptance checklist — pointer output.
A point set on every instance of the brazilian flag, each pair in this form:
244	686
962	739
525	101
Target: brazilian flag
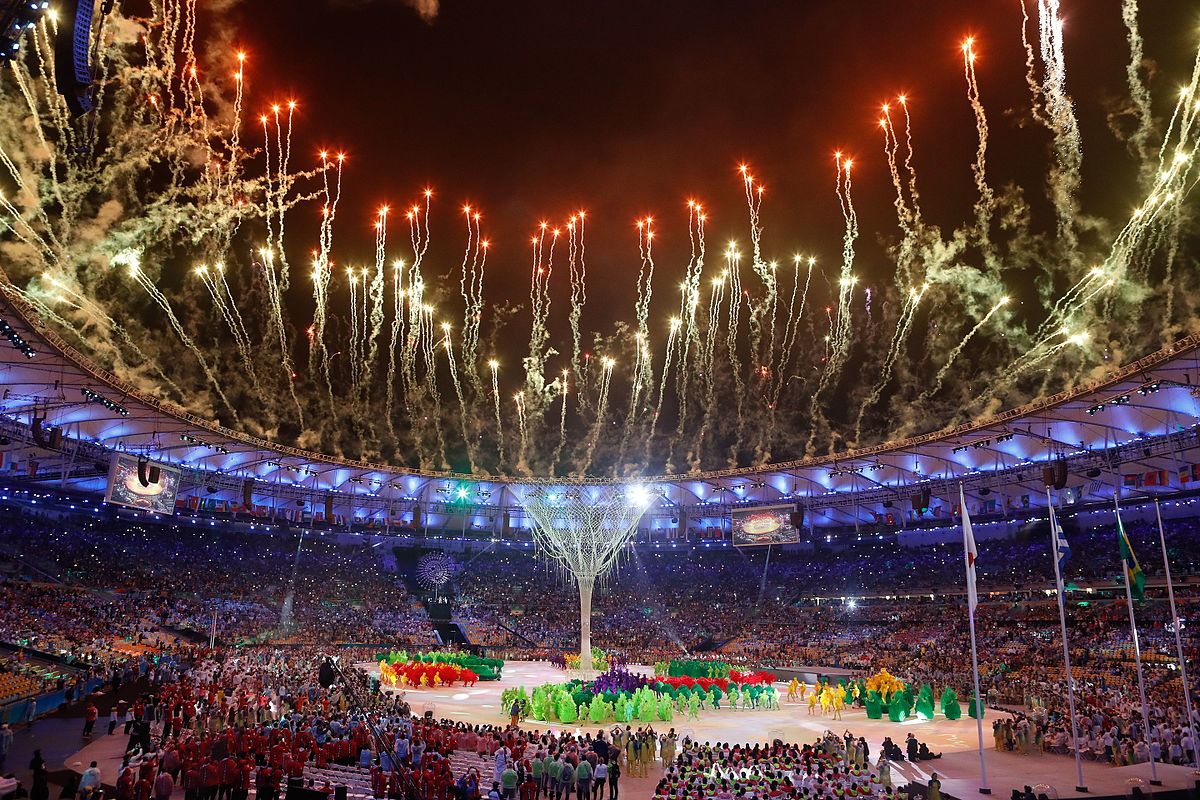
1133	571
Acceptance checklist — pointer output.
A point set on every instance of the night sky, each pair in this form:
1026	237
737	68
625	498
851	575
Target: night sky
531	110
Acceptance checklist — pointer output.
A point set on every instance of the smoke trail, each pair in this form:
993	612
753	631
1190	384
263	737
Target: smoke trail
493	365
562	424
133	262
242	343
1060	111
522	461
468	439
577	267
1137	89
601	414
945	370
986	204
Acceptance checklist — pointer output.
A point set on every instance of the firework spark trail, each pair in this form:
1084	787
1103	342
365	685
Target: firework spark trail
494	366
1138	92
1062	307
1146	225
238	330
522	461
268	186
913	195
539	299
61	117
778	377
689	303
93	311
735	363
323	273
471	288
906	217
958	348
272	280
458	391
577	267
55	103
904	323
1035	355
1180	103
285	183
641	356
431	387
1060	111
761	315
601	413
1043	336
416	291
672	339
465	274
397	337
132	261
643	376
985	206
707	375
754	198
891	148
53	169
472	351
792	329
236	130
1037	102
562	422
373	325
839	340
355	371
27	234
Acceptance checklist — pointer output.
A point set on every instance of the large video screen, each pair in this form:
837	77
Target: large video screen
764	526
125	487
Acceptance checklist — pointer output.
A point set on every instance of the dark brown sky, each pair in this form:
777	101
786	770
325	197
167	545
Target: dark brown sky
534	109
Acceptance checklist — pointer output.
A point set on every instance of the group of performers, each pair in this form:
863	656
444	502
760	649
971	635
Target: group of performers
829	697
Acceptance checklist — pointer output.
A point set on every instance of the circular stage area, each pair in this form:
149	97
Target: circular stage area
956	740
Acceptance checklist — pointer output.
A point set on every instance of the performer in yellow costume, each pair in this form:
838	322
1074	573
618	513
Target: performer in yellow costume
812	703
793	688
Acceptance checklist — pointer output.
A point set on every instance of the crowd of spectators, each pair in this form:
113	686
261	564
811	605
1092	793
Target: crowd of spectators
124	589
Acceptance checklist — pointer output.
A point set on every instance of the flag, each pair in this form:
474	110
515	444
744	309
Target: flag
1131	481
1062	550
970	551
1133	571
1156	477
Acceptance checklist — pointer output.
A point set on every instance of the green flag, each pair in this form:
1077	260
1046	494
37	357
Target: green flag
1133	571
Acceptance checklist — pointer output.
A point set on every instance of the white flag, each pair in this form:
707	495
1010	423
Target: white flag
969	551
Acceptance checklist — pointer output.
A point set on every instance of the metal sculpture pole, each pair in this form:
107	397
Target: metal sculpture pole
584	530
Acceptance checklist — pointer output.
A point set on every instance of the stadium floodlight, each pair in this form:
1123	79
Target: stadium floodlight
584	530
16	17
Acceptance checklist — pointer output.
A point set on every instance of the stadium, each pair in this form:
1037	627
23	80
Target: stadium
909	512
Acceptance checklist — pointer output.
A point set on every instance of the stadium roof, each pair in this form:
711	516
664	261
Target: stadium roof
1141	419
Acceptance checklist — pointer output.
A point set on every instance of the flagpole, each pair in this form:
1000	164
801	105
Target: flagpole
1137	648
1062	620
979	705
1187	694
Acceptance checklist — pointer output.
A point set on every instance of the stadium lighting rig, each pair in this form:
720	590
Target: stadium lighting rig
16	17
17	341
113	406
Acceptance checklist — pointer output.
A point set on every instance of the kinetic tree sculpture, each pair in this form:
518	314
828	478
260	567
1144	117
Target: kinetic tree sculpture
584	529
